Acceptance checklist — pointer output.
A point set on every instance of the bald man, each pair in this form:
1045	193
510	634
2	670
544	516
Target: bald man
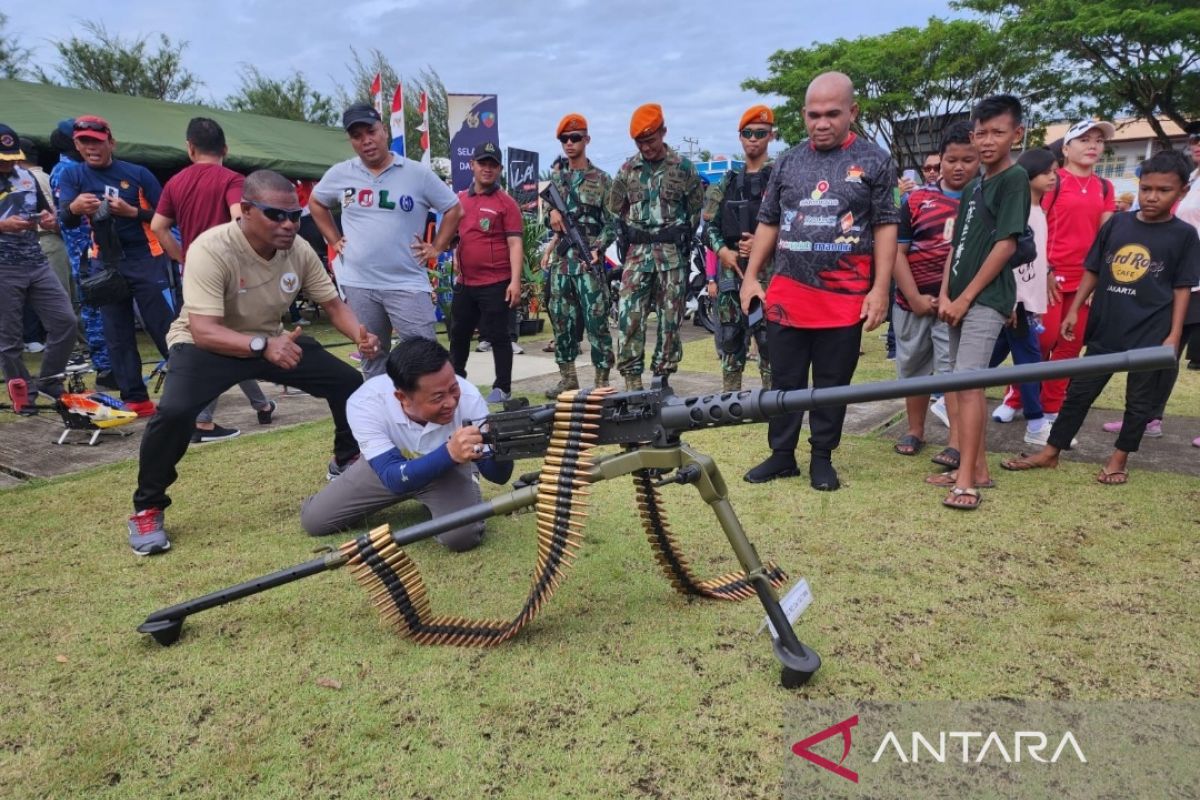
829	217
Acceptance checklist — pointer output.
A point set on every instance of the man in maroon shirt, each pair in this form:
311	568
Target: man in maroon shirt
488	260
202	196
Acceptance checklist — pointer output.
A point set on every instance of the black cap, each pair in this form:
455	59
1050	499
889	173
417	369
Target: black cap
10	144
1192	128
487	150
360	112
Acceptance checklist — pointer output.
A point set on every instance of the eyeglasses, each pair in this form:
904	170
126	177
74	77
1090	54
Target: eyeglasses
1194	138
755	133
573	138
277	214
88	125
931	168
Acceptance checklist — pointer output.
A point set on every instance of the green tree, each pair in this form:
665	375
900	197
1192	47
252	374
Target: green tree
108	63
1111	56
909	81
12	55
293	98
362	73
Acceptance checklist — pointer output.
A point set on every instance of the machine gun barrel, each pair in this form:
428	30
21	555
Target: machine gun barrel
655	416
732	408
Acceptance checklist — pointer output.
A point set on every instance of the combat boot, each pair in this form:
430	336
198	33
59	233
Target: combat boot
731	381
567	381
601	377
633	383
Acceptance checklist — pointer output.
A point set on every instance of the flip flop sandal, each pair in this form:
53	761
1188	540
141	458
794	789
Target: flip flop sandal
908	445
948	458
954	499
1022	464
946	480
1115	478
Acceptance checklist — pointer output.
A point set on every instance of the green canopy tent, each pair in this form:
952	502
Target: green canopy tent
151	132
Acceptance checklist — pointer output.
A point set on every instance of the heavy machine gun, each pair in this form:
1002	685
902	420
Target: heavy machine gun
647	425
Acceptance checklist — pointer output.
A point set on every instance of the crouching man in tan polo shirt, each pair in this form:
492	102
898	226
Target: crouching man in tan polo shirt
240	279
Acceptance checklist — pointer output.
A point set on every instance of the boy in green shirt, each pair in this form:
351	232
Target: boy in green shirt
978	290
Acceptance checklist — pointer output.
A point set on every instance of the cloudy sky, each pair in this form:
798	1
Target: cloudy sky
601	58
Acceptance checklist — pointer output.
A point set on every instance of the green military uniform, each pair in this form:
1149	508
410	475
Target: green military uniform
659	204
732	336
574	288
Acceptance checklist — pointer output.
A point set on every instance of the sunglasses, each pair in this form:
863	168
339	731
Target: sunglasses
931	167
573	138
276	214
1194	138
754	133
88	125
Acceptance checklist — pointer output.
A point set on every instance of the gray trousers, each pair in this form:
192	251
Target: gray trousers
382	311
36	285
358	493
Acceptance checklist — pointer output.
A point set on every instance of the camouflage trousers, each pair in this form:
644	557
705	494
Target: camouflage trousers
89	316
733	336
642	292
574	295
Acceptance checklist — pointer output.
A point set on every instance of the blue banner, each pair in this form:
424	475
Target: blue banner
472	121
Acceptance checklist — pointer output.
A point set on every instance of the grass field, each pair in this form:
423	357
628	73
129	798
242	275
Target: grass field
1058	588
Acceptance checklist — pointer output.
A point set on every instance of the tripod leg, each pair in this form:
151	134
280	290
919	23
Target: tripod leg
799	662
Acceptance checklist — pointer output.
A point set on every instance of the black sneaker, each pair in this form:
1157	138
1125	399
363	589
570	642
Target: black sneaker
777	465
78	363
264	414
106	380
822	476
217	434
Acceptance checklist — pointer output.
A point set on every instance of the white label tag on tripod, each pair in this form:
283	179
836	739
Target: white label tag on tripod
798	598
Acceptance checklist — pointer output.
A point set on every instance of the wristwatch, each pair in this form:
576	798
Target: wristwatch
258	346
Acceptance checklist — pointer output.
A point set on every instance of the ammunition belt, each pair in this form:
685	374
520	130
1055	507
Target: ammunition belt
732	586
397	589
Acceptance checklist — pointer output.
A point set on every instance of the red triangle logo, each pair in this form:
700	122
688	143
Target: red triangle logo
801	748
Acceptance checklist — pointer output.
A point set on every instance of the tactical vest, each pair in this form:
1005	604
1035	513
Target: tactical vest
739	207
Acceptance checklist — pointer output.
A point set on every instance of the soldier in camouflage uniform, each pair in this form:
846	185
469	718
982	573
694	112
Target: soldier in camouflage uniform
576	288
657	198
725	236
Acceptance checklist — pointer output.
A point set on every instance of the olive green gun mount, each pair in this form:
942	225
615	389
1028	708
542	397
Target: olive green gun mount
647	425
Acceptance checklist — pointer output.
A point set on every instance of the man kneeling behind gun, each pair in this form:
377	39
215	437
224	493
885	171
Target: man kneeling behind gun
413	427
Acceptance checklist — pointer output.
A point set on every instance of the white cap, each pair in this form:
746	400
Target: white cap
1080	128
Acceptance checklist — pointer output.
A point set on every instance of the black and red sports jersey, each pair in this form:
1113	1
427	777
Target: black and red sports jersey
826	204
927	226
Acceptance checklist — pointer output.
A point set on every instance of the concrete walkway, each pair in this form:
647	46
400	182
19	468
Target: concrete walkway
27	448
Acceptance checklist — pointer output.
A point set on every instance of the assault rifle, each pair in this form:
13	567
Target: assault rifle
572	237
647	425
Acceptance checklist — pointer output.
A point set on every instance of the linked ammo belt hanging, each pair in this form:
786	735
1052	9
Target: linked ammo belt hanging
397	589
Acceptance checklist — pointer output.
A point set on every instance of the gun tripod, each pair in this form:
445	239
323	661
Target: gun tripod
691	467
559	493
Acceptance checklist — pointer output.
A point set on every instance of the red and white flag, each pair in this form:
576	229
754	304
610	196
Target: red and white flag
397	120
377	94
426	157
